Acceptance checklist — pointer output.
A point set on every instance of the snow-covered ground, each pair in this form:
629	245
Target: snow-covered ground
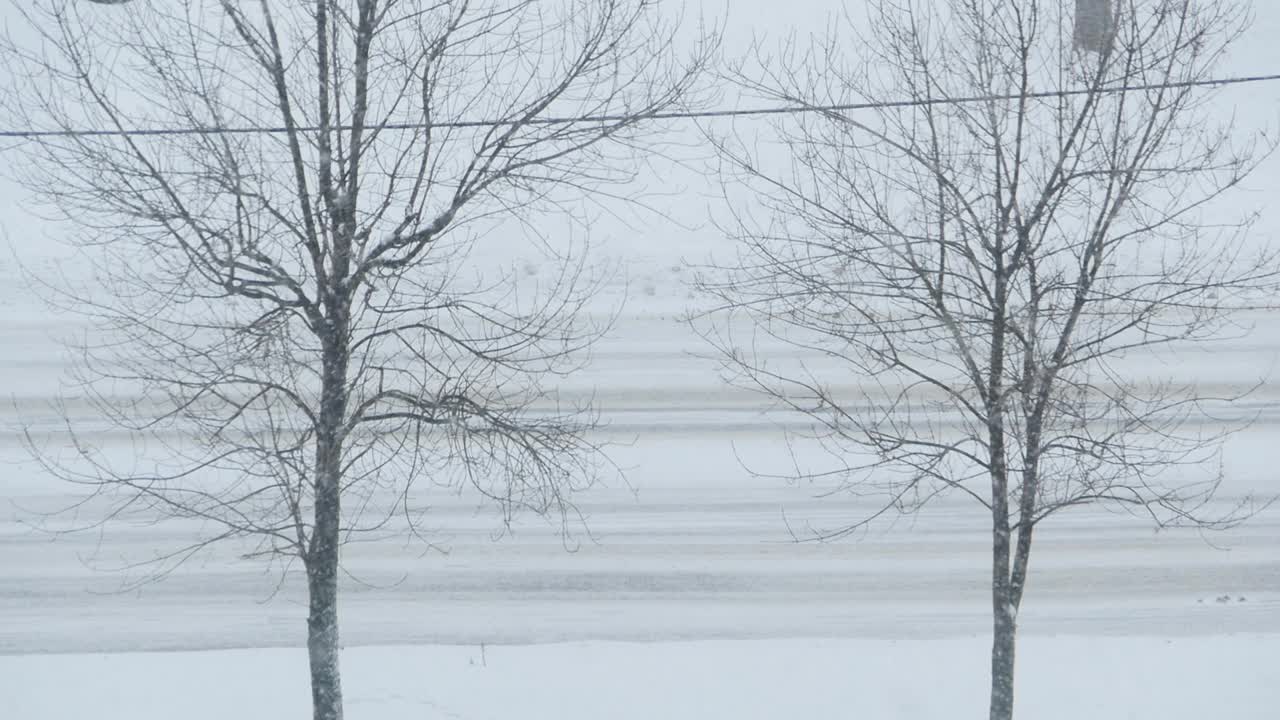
1062	678
691	546
689	598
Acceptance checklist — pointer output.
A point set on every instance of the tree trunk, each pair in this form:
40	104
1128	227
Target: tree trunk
322	637
1003	644
1006	599
323	552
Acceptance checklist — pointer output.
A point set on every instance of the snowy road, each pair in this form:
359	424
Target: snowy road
694	563
695	548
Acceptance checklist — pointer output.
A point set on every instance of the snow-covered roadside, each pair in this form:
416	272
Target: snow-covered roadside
1061	677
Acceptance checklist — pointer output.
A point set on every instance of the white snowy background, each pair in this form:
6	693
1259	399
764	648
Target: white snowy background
689	598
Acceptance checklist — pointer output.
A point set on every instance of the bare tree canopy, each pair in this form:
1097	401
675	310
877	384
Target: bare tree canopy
287	327
983	270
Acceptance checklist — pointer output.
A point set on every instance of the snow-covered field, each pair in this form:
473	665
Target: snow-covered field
1063	678
689	598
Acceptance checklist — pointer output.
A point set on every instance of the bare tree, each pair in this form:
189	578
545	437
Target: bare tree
286	326
980	253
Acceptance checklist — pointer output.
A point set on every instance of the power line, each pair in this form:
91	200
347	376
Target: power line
671	115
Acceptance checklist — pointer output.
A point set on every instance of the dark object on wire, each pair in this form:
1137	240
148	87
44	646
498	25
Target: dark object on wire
1095	26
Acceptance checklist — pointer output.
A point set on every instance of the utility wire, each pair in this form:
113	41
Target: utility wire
669	115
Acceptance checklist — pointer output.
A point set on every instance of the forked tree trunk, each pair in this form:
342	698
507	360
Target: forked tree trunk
1009	573
1003	647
